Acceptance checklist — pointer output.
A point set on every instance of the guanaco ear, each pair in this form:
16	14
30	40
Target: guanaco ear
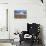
42	1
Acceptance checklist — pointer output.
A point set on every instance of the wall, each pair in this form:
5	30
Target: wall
3	1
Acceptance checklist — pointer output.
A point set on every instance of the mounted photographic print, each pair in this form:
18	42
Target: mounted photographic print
20	14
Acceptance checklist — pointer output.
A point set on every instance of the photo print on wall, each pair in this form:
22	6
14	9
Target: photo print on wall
20	14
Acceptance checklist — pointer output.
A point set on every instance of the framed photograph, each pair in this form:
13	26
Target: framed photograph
20	14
